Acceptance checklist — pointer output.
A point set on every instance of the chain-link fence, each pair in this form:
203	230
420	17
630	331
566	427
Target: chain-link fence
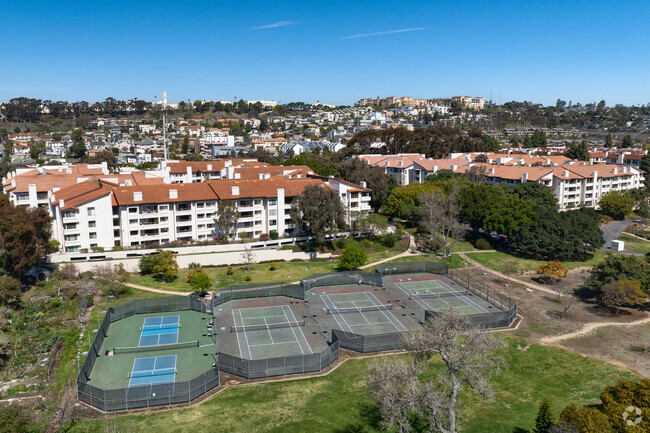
262	368
340	279
263	290
413	268
367	343
142	395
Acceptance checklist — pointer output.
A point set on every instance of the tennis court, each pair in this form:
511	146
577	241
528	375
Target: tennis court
269	332
361	313
159	330
437	295
158	369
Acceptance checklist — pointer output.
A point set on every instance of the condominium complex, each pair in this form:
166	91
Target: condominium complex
574	183
142	209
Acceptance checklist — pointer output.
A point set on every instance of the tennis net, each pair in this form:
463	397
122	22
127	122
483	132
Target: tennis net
157	327
416	295
267	326
149	373
359	309
125	350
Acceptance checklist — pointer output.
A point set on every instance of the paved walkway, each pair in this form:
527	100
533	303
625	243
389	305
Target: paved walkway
410	251
164	292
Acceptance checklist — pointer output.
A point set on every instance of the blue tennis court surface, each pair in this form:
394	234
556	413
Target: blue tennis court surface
159	330
159	369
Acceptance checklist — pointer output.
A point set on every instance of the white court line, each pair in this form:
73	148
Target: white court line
422	304
465	299
250	355
327	298
385	312
360	312
375	323
274	344
234	318
268	329
294	331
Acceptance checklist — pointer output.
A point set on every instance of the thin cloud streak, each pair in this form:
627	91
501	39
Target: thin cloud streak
276	25
390	32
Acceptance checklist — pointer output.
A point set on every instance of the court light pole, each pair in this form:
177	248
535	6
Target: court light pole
487	293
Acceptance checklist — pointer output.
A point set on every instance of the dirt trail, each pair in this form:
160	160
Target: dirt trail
150	289
410	251
590	327
504	276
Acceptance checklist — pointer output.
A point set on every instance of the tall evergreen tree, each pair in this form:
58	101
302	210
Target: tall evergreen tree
544	420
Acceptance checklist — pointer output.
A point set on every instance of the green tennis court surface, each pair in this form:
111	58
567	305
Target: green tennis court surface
269	332
113	372
437	295
361	313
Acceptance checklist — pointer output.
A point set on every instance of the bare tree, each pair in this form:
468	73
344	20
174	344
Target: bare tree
440	215
565	298
112	279
248	257
226	220
470	356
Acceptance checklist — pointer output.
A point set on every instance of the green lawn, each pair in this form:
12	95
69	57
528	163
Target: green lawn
458	262
499	261
338	402
636	244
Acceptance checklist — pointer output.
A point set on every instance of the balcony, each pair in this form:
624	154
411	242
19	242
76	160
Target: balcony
184	230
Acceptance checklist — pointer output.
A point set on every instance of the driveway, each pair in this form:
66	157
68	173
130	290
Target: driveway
612	231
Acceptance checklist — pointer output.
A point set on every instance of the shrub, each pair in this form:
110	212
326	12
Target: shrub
146	264
248	277
273	234
389	239
200	281
230	270
193	265
9	290
482	244
97	249
53	246
264	237
352	257
272	267
68	271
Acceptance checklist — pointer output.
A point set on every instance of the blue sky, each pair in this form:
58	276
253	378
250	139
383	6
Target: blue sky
335	52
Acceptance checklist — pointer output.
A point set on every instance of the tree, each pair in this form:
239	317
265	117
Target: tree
77	150
14	420
440	215
578	151
355	170
104	156
544	419
619	267
24	234
628	141
248	257
36	149
584	419
112	279
353	256
622	292
185	148
645	166
538	139
165	265
609	141
552	270
476	201
319	211
403	393
226	220
199	280
616	204
372	223
10	290
541	196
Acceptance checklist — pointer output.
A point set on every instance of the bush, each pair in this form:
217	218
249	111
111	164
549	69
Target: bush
68	271
389	239
272	267
248	277
53	246
230	270
200	281
264	237
97	249
353	256
482	244
273	234
146	264
616	204
9	290
193	265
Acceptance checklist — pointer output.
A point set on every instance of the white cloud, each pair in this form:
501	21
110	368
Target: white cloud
389	32
276	25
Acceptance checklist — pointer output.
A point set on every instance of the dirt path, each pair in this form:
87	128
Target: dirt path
165	292
590	327
502	275
410	251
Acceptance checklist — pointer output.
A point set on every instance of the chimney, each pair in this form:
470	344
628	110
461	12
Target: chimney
435	168
173	193
566	173
237	175
453	167
68	171
491	170
621	157
363	183
260	175
61	204
615	170
137	195
401	163
56	188
548	161
128	182
234	190
209	167
524	177
583	163
386	163
13	183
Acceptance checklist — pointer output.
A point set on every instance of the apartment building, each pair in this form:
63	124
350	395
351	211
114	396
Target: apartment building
407	168
99	214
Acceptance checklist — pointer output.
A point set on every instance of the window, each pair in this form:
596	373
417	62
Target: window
70	226
91	211
93	245
69	214
133	210
162	207
272	222
92	235
272	202
258	202
72	249
200	205
92	224
71	238
164	230
134	232
133	221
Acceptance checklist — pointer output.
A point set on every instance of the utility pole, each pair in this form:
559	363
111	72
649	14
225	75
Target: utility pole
164	125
